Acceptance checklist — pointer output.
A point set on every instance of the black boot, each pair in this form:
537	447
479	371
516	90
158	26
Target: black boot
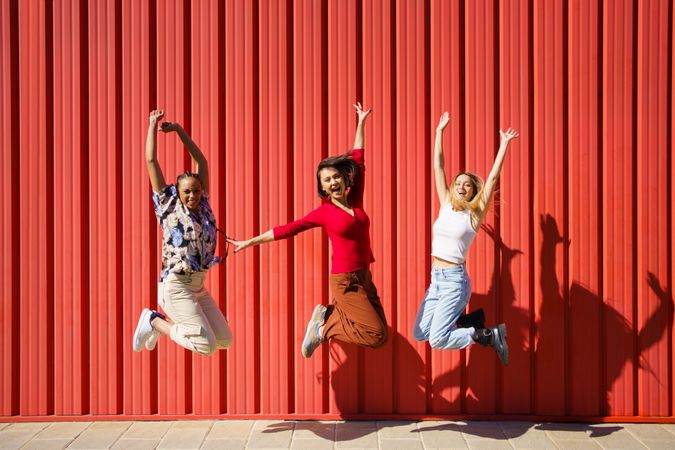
474	319
495	337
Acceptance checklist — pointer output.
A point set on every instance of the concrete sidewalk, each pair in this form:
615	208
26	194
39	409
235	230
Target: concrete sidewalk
312	435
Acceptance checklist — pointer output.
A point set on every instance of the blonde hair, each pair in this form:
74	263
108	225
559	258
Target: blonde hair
472	204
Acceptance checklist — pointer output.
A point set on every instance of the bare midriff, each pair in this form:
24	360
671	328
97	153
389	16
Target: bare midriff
438	262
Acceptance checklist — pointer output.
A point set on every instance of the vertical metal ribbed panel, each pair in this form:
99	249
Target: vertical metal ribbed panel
575	255
241	145
310	283
276	201
70	210
584	330
412	205
36	217
139	226
618	207
550	234
654	307
9	160
104	222
515	202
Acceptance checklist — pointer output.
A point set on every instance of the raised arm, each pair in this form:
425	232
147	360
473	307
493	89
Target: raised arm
154	171
488	190
193	150
439	161
358	138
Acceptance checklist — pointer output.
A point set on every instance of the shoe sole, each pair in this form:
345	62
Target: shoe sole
145	315
316	315
504	355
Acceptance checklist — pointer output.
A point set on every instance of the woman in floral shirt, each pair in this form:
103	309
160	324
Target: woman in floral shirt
188	245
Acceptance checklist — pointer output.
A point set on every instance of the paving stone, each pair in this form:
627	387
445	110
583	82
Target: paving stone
481	430
314	430
231	429
356	435
566	431
47	444
30	425
13	439
183	438
669	427
523	435
271	434
578	444
3	425
489	444
97	438
651	431
658	444
312	444
110	425
226	444
147	430
136	444
192	424
406	429
441	434
619	439
63	430
401	444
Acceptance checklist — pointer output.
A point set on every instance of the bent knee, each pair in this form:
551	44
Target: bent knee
223	344
438	342
206	349
378	339
419	335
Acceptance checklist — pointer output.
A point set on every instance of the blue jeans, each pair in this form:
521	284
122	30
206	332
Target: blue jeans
443	303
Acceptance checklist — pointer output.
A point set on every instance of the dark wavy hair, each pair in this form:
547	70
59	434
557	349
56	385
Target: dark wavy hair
343	164
186	175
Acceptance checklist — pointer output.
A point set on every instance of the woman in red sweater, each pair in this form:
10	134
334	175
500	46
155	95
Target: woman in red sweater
356	314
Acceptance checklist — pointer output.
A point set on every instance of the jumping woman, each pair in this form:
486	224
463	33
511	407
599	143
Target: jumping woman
356	314
463	208
188	245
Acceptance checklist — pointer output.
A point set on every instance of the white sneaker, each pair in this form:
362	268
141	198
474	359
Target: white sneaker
143	330
152	340
312	336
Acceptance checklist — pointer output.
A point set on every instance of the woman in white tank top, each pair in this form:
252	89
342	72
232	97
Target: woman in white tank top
440	319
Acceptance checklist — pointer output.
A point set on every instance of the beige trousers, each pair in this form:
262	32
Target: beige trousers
199	325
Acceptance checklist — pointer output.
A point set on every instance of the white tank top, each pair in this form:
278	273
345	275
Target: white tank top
453	235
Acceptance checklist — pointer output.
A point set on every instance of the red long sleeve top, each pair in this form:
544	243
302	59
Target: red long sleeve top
350	236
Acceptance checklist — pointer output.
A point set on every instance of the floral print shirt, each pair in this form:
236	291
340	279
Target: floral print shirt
189	237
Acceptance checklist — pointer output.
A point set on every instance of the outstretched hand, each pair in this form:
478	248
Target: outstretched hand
360	112
443	121
156	116
508	134
238	245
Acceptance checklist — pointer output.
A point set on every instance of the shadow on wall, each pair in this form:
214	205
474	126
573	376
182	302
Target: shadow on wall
583	300
552	309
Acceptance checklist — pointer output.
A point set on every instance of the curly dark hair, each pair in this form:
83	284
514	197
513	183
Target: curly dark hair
343	164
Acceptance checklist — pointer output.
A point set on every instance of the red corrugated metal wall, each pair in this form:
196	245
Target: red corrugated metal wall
576	257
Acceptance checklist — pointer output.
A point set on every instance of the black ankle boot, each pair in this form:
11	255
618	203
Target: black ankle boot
495	337
474	319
